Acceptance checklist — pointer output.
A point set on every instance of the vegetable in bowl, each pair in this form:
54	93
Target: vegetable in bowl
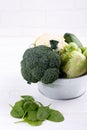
59	67
53	59
73	61
40	63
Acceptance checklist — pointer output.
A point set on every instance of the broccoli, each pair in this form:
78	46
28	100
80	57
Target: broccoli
50	75
40	63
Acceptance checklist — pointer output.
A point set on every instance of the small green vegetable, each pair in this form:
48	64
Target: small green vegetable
69	37
73	61
34	112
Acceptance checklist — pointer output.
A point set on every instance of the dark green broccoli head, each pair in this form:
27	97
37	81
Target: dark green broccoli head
40	63
50	75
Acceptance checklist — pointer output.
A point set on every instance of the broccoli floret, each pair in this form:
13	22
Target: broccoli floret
38	62
50	75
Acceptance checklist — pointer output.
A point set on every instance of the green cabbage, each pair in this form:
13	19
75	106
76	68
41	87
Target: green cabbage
73	62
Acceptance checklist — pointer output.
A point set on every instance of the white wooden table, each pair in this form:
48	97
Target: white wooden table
12	86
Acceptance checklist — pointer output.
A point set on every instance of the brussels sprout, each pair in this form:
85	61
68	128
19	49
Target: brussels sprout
73	62
76	66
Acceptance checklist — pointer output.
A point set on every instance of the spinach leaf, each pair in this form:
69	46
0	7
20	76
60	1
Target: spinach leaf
34	112
20	103
29	106
28	98
32	115
55	116
17	112
43	113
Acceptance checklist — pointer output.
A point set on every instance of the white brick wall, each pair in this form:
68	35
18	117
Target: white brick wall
33	17
9	5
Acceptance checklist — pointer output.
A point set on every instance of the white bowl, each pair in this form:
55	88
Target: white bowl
64	88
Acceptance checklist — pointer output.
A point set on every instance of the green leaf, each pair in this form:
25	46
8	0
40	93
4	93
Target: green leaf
33	123
43	113
19	103
17	112
28	98
32	115
34	112
55	116
28	106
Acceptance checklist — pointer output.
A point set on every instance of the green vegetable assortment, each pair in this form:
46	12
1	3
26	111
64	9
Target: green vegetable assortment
52	59
33	112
